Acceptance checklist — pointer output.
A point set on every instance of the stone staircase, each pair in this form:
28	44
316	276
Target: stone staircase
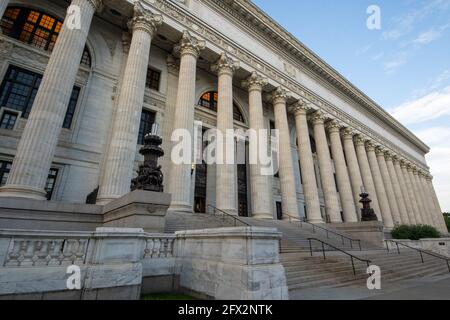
304	271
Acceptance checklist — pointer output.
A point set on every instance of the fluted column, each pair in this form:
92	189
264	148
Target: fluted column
404	188
381	157
3	6
386	213
429	208
326	168
411	195
38	143
226	174
310	190
419	206
342	176
353	166
122	149
180	177
261	205
420	196
366	174
286	165
437	206
395	180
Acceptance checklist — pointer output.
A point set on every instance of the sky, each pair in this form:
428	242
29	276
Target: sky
404	65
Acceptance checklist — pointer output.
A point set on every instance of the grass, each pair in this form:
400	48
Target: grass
167	296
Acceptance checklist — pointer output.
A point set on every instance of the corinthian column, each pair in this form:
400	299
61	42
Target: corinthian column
379	186
310	191
258	182
326	168
381	156
419	206
3	6
437	207
122	149
286	166
429	208
390	160
226	173
342	176
420	197
367	174
405	190
353	166
189	49
410	191
40	137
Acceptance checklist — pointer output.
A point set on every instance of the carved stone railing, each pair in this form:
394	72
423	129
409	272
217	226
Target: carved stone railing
28	248
159	247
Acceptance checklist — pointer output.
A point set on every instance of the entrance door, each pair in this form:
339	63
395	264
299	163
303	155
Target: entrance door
200	186
242	190
279	211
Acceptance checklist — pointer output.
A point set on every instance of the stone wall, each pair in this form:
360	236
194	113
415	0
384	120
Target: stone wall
124	263
440	246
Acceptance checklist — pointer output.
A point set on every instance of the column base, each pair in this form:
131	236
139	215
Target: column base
15	191
262	216
105	200
288	217
316	221
182	208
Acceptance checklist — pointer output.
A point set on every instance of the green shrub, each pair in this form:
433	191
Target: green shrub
447	221
416	232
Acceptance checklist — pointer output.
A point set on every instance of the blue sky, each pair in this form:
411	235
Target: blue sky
404	66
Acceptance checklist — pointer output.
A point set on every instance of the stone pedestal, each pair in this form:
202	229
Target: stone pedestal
138	209
371	231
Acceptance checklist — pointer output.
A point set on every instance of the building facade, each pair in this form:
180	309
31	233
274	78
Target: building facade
82	83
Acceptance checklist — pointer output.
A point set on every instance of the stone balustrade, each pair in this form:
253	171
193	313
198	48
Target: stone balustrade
120	263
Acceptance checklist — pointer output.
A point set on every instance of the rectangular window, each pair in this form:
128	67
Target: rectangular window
5	168
147	121
153	78
19	88
8	120
50	184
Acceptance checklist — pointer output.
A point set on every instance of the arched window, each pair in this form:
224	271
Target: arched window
35	28
209	100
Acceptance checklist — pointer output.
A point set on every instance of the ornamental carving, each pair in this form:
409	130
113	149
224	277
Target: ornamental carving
144	20
189	45
225	64
254	82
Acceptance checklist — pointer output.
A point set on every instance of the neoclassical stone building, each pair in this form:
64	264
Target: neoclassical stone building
76	103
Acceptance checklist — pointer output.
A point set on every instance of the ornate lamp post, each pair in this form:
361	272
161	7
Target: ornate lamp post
150	177
367	213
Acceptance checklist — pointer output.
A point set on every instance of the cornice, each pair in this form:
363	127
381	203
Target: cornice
258	20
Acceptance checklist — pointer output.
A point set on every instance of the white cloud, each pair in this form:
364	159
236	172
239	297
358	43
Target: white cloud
427	37
438	139
392	65
429	107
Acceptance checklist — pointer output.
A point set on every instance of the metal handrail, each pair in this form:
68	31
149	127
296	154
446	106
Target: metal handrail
226	214
352	257
314	227
421	252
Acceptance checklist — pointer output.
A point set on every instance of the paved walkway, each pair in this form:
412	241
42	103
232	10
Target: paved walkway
437	288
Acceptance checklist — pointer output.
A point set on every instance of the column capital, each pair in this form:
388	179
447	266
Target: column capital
380	151
334	126
279	95
225	65
300	107
255	82
318	117
371	146
403	164
144	20
388	155
360	140
395	159
189	45
97	4
348	133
